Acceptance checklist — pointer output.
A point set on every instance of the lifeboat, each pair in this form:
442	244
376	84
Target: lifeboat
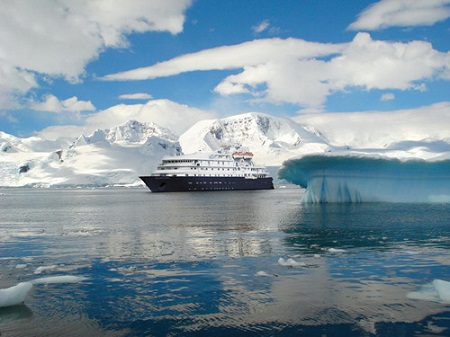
238	155
248	155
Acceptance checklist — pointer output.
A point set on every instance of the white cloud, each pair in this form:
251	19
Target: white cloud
53	104
293	81
59	37
306	73
13	83
231	57
174	116
261	27
383	65
402	13
136	96
387	97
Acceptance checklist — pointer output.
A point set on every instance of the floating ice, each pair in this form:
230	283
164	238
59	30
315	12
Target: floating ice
362	178
39	270
14	295
436	291
290	263
336	250
262	274
59	279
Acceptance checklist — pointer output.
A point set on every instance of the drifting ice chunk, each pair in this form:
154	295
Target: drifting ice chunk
443	290
59	279
290	263
14	295
351	178
262	273
41	269
436	291
336	250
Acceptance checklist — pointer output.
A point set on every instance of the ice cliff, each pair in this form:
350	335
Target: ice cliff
352	177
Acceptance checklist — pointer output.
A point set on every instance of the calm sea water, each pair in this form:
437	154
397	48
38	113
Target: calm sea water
206	264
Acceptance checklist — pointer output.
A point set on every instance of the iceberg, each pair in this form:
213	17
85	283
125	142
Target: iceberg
14	295
351	178
290	263
59	279
436	291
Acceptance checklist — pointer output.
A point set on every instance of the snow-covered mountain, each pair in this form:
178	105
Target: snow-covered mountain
11	144
272	139
132	132
106	157
117	156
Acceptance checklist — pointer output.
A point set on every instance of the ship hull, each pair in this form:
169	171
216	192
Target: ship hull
194	184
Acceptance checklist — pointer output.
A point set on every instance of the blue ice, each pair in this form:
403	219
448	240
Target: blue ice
351	178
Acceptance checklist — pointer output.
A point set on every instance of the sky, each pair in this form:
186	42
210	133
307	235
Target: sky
70	67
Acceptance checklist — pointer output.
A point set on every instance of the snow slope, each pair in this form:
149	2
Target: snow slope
271	139
114	156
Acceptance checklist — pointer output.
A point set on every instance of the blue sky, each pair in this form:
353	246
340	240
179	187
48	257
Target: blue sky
70	67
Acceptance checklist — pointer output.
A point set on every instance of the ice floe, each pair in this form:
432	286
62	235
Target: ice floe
14	295
436	291
42	269
335	250
59	279
290	263
262	273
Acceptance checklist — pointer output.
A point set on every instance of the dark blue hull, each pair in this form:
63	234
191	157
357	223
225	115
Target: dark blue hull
184	184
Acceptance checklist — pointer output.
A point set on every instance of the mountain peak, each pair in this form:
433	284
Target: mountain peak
133	131
274	138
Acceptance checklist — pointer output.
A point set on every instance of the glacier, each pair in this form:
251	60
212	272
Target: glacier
354	178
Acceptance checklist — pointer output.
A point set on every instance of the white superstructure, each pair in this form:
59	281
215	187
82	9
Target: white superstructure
221	163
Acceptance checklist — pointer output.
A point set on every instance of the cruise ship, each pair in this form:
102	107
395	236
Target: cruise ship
209	171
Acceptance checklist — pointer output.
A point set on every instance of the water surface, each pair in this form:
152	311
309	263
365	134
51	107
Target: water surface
202	264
